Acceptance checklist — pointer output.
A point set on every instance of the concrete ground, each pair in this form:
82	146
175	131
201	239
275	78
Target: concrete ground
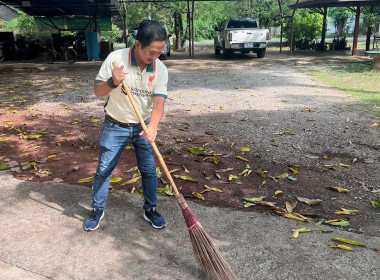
42	237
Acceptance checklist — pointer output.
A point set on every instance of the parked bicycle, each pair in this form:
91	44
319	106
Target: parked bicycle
67	53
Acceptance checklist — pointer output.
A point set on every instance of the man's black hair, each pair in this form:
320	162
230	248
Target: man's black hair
150	31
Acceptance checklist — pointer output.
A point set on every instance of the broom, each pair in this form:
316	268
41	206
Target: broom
205	251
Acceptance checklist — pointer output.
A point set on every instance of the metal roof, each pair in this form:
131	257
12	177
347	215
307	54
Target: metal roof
333	3
51	8
7	13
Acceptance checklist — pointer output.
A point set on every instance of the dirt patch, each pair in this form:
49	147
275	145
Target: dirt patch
216	106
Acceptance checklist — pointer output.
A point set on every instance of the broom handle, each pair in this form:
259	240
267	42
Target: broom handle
154	146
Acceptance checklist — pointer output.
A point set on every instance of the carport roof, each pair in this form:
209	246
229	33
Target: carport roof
52	8
333	3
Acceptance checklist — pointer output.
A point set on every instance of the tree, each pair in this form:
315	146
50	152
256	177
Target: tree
114	35
307	26
340	17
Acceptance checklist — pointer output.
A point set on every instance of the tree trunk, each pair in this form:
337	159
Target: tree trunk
125	24
341	28
178	30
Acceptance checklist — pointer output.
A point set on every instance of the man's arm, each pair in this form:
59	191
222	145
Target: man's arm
157	113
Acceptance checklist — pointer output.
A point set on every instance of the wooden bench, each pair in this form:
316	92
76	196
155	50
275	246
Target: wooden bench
376	58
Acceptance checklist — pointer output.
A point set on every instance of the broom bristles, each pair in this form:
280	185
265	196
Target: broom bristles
205	251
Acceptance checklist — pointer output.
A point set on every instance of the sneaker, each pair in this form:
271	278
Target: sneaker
92	222
154	218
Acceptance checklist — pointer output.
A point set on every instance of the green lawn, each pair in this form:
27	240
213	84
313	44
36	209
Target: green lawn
358	79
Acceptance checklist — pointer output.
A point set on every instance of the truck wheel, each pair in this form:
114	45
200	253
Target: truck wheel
226	53
217	51
261	53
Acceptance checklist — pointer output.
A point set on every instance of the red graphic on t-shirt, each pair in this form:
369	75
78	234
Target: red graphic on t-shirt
151	78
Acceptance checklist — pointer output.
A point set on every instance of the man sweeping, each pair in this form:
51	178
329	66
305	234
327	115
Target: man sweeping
146	77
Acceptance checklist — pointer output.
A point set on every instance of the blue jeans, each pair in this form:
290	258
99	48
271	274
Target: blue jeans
113	141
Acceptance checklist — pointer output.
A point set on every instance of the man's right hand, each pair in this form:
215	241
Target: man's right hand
118	75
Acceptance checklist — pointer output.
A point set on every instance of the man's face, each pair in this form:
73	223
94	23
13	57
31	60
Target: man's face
150	53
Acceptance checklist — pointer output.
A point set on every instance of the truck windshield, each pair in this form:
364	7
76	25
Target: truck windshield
246	23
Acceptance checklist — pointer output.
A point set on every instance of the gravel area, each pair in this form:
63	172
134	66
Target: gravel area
269	105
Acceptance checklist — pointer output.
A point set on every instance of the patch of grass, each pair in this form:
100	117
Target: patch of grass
358	79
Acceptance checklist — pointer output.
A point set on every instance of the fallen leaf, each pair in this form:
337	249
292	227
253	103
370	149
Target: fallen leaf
244	172
337	222
133	169
31	137
185	169
261	173
310	201
346	212
185	178
198	195
298	231
282	176
213	189
285	133
293	170
330	166
249	204
295	216
254	199
224	170
374	125
278	192
343	247
266	203
4	139
85	180
174	170
341	190
344	165
168	190
376	203
291	178
348	241
307	110
131	181
231	177
244	149
241	158
116	179
290	206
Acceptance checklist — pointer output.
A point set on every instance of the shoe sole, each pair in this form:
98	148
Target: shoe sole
90	229
148	220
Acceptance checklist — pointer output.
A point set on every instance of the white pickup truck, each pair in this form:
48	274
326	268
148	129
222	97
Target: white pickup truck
240	34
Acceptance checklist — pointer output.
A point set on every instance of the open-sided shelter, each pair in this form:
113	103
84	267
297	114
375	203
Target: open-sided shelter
322	5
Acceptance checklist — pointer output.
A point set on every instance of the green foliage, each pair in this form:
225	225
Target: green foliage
26	26
339	18
114	35
307	26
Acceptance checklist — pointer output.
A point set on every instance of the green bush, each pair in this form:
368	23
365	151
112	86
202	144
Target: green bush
307	26
340	43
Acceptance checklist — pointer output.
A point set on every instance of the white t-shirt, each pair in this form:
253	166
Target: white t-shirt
143	85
